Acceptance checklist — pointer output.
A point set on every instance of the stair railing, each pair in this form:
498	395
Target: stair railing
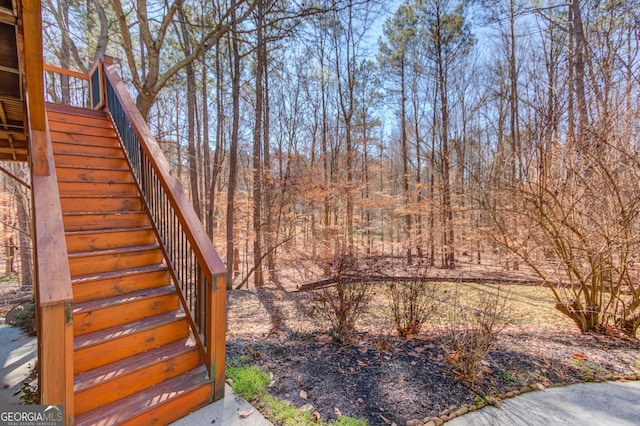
193	261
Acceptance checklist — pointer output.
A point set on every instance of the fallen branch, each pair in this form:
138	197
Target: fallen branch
328	282
251	271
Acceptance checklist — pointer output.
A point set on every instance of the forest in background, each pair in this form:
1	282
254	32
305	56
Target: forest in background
435	131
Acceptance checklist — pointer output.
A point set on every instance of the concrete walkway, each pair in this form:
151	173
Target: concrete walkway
601	404
225	412
17	358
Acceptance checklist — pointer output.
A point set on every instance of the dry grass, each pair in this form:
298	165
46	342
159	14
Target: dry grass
531	309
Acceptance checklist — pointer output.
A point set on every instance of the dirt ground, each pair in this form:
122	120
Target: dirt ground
386	379
11	294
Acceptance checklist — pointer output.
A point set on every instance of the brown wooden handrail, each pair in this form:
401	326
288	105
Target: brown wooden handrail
67	87
204	250
159	186
63	71
52	287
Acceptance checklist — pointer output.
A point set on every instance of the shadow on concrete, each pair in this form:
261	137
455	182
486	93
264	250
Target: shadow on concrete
17	359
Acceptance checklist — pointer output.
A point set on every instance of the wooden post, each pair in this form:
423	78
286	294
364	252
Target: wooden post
56	364
216	341
53	281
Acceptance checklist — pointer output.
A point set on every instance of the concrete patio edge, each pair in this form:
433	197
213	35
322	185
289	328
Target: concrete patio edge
225	412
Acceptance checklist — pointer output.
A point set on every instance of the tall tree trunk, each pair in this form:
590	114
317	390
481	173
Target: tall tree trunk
516	155
345	96
218	152
447	211
233	155
209	184
578	61
26	277
432	183
269	233
191	118
65	53
365	172
419	193
325	151
257	142
405	163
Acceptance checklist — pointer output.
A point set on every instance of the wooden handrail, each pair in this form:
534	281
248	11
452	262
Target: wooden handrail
63	71
52	287
205	252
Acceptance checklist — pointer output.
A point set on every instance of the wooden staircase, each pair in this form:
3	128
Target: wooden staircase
135	360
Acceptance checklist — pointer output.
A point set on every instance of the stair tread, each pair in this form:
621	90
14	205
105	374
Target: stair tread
82	154
56	141
114	213
108	181
118	273
101	336
97	376
62	110
97	196
109	230
119	250
84	167
134	405
122	299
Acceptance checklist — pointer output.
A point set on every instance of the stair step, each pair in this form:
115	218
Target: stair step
108	148
158	405
113	283
64	114
121	379
83	156
99	261
85	126
93	174
77	139
94	350
90	161
107	239
109	312
110	220
104	189
97	204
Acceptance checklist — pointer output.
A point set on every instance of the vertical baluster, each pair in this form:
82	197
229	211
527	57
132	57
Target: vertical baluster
173	232
194	296
200	309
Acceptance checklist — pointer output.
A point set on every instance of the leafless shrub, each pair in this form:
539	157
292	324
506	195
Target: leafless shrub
413	303
470	331
342	304
577	227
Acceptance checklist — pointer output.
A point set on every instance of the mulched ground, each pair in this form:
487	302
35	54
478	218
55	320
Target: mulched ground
396	380
383	378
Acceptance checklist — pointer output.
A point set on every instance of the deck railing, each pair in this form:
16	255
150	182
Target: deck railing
195	265
63	86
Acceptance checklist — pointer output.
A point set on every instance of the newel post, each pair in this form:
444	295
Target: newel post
216	333
52	289
97	86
